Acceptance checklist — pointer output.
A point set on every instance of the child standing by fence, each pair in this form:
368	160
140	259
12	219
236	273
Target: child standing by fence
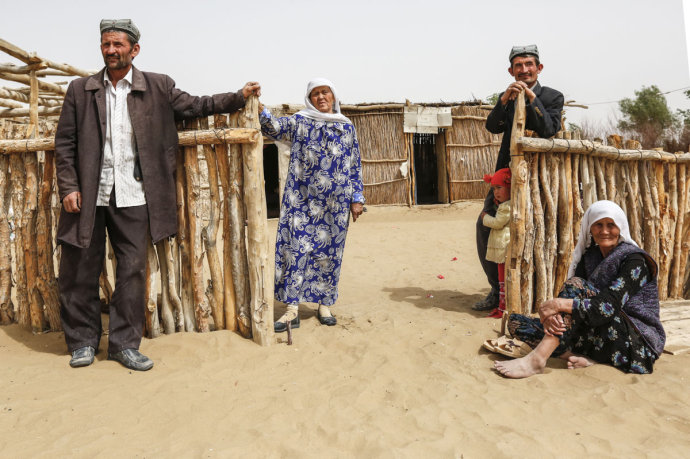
500	231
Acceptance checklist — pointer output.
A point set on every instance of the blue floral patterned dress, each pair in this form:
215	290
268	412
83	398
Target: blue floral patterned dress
324	178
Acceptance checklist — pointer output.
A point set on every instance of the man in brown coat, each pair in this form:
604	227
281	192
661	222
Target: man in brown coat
116	146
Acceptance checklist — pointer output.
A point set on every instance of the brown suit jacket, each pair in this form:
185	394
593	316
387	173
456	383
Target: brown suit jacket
154	105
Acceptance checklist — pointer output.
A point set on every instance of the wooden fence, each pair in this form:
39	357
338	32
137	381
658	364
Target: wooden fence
237	291
555	180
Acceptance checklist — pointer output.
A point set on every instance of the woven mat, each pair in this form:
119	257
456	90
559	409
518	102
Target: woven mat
675	316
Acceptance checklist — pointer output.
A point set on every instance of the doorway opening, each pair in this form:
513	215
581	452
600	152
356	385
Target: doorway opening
271	181
425	169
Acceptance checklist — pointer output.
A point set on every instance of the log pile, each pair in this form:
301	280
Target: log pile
555	180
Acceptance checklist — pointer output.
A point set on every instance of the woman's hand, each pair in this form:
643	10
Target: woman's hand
356	208
554	325
548	308
554	306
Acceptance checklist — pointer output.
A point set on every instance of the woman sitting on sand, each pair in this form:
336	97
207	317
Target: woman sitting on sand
608	310
323	188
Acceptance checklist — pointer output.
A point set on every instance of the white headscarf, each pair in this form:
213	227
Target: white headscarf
595	212
312	112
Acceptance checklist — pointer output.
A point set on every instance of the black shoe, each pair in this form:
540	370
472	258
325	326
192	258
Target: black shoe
82	357
280	327
330	321
132	359
488	303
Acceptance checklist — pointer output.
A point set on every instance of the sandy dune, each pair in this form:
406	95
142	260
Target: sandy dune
402	375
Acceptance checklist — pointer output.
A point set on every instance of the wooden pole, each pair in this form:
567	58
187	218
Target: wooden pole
46	280
664	286
565	219
526	259
196	254
229	298
208	235
518	203
675	282
587	147
43	85
601	181
171	305
540	291
18	180
235	248
650	213
6	306
257	230
183	243
152	322
186	138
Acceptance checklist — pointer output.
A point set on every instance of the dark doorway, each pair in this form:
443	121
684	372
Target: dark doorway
271	181
425	169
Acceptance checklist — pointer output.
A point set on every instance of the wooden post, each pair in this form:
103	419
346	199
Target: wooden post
665	267
152	322
577	177
209	233
518	204
260	271
601	181
675	287
46	281
550	221
6	306
442	167
650	215
18	180
526	260
183	243
540	292
196	254
235	247
565	225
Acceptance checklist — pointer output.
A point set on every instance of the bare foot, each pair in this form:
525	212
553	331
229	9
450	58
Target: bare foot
529	365
579	361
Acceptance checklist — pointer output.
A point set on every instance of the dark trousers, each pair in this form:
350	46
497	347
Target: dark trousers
482	232
80	310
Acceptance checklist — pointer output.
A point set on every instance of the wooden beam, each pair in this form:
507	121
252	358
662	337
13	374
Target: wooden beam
587	147
44	85
17	112
186	139
16	51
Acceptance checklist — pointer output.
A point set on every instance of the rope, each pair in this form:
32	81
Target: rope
553	142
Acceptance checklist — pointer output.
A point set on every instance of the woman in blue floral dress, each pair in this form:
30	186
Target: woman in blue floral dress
608	310
323	187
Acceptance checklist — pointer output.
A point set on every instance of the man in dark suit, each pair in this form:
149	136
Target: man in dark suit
115	147
543	106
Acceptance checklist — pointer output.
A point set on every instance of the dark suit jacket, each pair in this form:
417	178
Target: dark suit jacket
154	104
543	117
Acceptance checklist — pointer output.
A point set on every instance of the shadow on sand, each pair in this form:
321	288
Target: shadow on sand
449	300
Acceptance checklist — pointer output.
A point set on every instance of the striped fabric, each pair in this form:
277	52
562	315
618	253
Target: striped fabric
118	154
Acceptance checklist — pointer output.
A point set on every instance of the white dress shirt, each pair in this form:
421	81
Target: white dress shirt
119	152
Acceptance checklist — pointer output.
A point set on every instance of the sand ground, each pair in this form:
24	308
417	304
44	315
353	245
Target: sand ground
402	375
